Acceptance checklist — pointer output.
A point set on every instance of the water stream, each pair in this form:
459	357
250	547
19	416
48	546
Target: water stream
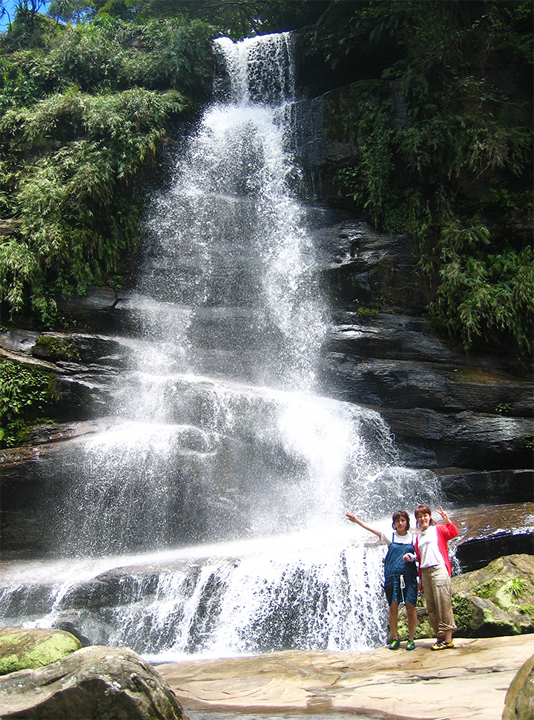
208	519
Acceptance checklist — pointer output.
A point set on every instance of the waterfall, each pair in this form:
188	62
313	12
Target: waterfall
208	518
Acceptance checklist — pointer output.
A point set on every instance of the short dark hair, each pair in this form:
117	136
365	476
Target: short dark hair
422	510
401	513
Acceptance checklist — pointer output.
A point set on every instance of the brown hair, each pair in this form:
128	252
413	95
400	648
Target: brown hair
421	510
401	513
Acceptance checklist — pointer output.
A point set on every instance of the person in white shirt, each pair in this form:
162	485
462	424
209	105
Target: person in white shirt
435	572
400	574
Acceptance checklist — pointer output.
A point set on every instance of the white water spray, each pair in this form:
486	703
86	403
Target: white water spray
220	431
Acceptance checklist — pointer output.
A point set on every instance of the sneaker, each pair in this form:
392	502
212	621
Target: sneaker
442	645
410	645
395	645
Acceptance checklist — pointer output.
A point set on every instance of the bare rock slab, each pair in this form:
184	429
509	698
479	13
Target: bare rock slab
94	682
466	683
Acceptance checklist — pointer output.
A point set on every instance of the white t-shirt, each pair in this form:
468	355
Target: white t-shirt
428	548
408	539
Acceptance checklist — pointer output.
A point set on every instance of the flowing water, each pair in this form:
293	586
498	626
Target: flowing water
208	519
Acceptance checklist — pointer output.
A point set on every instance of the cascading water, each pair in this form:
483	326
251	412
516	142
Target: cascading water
222	445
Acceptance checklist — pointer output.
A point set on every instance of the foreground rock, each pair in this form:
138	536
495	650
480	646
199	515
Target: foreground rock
519	702
23	649
468	682
95	682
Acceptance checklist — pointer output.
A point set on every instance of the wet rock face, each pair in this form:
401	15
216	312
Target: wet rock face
491	531
458	414
93	682
467	418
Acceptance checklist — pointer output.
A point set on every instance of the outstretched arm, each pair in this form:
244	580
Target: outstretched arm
354	519
449	530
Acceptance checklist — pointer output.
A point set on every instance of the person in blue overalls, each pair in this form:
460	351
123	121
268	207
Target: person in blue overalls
400	572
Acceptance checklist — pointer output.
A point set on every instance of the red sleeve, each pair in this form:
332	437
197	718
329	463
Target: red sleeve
449	531
446	533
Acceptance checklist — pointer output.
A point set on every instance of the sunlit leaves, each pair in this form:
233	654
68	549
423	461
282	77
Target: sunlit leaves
82	117
77	215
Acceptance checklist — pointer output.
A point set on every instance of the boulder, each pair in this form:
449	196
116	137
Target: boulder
21	649
95	682
494	601
519	701
497	599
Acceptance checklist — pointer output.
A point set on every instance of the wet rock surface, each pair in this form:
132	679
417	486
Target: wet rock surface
489	531
465	417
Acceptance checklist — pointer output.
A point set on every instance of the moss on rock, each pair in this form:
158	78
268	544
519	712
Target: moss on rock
22	649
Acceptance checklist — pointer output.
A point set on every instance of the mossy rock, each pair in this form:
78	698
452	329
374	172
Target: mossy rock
22	649
493	601
423	629
497	599
55	346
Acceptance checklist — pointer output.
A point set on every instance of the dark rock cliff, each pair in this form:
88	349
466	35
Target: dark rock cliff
466	417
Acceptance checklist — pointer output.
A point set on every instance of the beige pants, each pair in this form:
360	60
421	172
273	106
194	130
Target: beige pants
438	595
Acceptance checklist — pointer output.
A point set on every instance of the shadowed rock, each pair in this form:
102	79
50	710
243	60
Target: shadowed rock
95	682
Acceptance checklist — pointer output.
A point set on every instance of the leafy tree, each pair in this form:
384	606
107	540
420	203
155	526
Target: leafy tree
82	120
445	151
69	11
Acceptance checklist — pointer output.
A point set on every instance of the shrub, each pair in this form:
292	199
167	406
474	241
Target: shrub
24	394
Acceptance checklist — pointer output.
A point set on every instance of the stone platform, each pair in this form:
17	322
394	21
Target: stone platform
467	682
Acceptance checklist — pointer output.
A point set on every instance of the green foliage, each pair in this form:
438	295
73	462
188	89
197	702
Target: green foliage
485	590
82	121
486	295
110	54
518	588
234	18
28	28
79	213
55	348
24	394
462	612
445	151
